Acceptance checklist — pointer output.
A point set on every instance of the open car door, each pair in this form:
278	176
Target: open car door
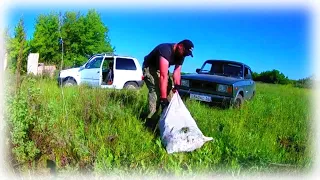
91	73
107	77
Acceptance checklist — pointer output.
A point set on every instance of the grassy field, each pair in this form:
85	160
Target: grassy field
81	129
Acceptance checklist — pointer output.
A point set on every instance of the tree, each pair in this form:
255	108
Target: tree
7	42
72	31
46	39
305	82
95	37
274	76
7	39
17	48
82	36
255	75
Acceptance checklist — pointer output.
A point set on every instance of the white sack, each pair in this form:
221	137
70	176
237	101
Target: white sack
178	130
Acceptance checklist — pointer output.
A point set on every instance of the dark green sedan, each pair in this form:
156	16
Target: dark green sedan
225	82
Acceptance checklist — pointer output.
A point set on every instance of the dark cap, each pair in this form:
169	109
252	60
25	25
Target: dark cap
188	45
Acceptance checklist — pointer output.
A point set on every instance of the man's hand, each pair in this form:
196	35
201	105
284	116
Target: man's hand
164	103
175	89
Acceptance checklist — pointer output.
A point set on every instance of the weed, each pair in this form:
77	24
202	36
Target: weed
102	131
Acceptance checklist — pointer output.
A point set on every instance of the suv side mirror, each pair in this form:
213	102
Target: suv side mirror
198	70
81	68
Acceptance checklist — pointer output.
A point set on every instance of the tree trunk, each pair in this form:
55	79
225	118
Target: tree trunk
19	60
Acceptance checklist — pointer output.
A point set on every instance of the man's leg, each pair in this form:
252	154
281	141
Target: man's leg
152	82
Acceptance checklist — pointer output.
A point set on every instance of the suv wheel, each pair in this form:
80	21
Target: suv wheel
238	101
131	85
69	82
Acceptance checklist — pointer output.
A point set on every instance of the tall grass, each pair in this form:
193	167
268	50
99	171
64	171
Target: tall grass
83	129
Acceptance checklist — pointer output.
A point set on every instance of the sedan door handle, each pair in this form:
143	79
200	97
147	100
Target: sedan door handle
98	71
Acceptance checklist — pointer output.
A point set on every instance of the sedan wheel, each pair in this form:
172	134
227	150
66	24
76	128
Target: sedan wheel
239	101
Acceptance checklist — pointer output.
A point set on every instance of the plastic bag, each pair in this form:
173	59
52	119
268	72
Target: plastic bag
178	130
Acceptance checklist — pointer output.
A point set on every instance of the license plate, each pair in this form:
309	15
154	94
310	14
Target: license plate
200	97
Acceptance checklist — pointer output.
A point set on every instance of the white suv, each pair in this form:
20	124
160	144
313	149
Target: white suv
106	71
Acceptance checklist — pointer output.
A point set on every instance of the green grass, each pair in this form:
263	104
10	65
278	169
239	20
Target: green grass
102	131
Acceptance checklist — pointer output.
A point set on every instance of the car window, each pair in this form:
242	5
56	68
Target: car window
106	63
247	73
206	68
232	70
217	68
125	64
95	63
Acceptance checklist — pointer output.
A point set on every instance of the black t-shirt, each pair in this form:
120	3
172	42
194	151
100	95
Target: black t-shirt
165	50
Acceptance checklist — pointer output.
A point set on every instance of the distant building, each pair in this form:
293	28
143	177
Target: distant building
42	69
37	68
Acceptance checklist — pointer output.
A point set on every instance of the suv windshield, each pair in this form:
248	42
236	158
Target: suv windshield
222	68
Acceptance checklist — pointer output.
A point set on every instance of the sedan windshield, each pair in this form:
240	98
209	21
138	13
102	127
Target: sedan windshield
222	69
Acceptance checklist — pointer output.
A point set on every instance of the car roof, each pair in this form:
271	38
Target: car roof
111	55
227	61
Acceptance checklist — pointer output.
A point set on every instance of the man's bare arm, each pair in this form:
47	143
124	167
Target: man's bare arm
177	75
164	66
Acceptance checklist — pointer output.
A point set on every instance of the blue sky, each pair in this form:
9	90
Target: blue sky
264	40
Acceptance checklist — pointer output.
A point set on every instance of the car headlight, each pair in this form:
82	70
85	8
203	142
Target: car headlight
184	82
224	88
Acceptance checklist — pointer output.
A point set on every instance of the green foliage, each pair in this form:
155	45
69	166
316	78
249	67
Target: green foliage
274	77
72	31
13	46
22	115
7	39
304	82
95	38
82	35
183	73
255	75
46	39
102	131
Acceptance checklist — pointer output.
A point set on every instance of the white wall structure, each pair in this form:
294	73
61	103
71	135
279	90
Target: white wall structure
5	61
32	66
42	69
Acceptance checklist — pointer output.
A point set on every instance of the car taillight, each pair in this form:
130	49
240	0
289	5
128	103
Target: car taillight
142	77
229	90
